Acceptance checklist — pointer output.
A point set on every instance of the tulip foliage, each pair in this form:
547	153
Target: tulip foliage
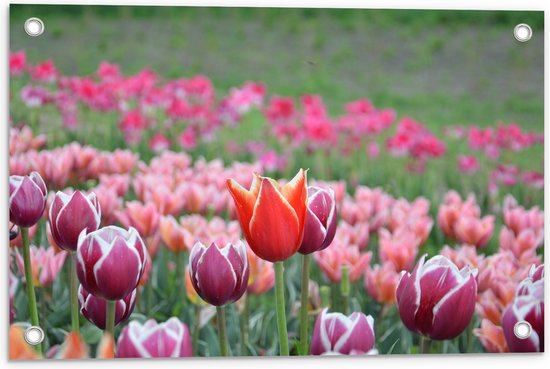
148	246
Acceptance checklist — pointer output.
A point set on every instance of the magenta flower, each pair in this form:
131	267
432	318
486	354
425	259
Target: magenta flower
320	225
153	340
437	300
467	164
70	215
340	334
110	261
219	275
27	199
95	309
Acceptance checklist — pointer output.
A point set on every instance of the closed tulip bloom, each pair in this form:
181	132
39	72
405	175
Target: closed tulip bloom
437	300
70	215
320	226
219	275
155	340
474	231
399	248
94	308
272	217
491	337
110	261
172	234
380	283
27	199
527	306
335	333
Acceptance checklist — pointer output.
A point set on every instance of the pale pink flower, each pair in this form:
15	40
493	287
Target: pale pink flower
399	248
474	231
45	264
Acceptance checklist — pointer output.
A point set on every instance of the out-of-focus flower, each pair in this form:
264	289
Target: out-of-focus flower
143	217
467	164
399	248
437	300
73	347
219	275
172	234
45	265
491	337
262	274
159	143
95	309
320	225
110	261
12	289
380	283
340	334
18	62
27	199
523	245
106	347
519	219
272	218
44	72
474	231
453	208
19	348
17	242
463	256
70	215
154	340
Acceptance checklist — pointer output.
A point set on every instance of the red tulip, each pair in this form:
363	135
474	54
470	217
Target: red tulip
27	199
110	261
95	309
320	226
337	333
437	300
152	339
220	276
272	217
70	215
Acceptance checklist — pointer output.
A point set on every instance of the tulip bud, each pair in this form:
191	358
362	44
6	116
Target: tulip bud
527	306
320	226
27	199
111	261
220	276
154	340
94	308
272	217
70	215
340	334
437	300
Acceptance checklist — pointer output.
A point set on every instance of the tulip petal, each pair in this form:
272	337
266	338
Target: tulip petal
216	278
244	200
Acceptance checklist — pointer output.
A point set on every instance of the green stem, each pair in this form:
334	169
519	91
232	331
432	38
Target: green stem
196	329
244	326
280	307
222	333
31	297
325	296
344	289
180	276
425	344
304	304
110	323
73	292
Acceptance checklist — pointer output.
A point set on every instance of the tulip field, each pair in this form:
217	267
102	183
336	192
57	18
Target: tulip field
163	216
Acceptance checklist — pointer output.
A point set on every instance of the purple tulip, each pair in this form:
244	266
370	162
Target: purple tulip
220	276
528	306
110	261
335	333
27	199
437	300
95	309
70	215
320	225
168	339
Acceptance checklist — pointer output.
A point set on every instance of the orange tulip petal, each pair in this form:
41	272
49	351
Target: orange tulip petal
244	199
274	232
19	349
106	347
295	192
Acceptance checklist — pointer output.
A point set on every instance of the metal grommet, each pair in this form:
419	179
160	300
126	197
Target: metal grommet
34	335
34	26
523	32
522	330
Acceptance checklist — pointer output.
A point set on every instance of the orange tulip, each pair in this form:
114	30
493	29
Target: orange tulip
106	347
19	349
272	217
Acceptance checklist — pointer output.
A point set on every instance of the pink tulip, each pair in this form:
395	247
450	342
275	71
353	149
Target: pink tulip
464	256
467	164
70	215
45	265
219	275
437	300
109	202
528	306
18	62
95	309
320	226
12	289
381	282
340	334
474	231
110	261
491	337
27	199
399	248
523	246
143	217
518	218
454	208
154	340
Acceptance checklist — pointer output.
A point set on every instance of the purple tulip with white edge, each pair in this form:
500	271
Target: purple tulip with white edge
155	340
320	225
27	199
95	309
528	306
335	333
437	300
70	215
110	261
219	275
